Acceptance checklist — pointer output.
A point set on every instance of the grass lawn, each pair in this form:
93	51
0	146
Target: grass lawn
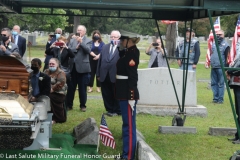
200	146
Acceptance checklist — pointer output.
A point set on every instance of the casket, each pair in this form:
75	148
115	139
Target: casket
14	76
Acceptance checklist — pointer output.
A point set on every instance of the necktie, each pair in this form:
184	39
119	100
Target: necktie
34	85
111	52
15	37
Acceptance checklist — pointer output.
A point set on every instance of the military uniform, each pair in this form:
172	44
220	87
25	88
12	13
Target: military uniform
126	89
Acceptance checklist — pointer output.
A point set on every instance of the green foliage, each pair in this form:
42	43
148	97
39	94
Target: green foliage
33	22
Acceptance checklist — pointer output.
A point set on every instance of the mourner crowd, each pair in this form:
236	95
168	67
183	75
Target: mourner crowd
77	60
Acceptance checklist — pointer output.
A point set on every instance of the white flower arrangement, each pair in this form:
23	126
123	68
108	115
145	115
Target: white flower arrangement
40	78
10	47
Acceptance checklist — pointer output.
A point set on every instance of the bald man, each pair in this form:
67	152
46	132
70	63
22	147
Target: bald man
19	40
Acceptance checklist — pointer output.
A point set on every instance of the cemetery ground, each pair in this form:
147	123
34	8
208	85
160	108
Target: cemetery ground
200	146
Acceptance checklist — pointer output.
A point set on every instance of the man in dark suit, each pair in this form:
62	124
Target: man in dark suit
80	69
7	47
106	73
19	40
41	82
51	40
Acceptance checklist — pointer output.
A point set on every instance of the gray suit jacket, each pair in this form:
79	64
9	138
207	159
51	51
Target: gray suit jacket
106	65
81	59
10	49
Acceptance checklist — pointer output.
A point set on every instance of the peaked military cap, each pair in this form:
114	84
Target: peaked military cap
129	35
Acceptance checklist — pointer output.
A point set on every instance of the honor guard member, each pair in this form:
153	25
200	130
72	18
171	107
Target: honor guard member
127	91
194	52
234	83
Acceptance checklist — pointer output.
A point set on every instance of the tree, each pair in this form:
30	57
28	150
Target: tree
33	22
171	39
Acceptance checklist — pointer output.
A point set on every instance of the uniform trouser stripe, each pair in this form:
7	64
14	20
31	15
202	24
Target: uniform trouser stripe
130	131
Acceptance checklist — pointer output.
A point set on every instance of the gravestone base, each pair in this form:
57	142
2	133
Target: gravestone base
86	132
177	129
221	131
199	110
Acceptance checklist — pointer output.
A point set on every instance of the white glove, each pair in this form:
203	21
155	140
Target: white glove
132	103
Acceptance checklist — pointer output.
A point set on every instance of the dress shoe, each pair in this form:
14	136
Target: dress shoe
232	139
111	114
236	142
83	109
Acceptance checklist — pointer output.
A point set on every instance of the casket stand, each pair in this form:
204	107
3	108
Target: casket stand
23	125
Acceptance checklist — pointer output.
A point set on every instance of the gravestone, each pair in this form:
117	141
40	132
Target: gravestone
86	132
32	40
157	94
201	39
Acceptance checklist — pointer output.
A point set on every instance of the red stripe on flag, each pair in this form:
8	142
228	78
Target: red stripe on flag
105	134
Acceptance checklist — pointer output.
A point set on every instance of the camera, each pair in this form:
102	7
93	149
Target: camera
59	44
52	35
77	34
155	44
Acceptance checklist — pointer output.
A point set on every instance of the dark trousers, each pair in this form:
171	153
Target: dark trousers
236	91
128	129
93	65
80	79
110	102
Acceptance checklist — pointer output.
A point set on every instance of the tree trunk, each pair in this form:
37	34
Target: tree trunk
4	21
76	23
171	39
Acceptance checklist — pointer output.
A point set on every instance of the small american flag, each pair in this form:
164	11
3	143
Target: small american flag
232	54
217	27
105	134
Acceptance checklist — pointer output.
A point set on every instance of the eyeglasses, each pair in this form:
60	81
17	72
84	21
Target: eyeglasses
4	35
114	37
51	63
219	34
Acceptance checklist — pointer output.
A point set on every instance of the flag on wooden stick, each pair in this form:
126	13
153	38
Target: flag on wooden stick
105	134
232	55
217	27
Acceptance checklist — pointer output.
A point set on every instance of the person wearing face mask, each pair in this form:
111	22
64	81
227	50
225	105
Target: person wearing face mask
106	74
40	82
6	46
194	52
58	90
217	79
97	45
127	91
51	40
19	40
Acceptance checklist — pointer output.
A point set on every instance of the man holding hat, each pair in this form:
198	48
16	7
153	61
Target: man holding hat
194	52
127	91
